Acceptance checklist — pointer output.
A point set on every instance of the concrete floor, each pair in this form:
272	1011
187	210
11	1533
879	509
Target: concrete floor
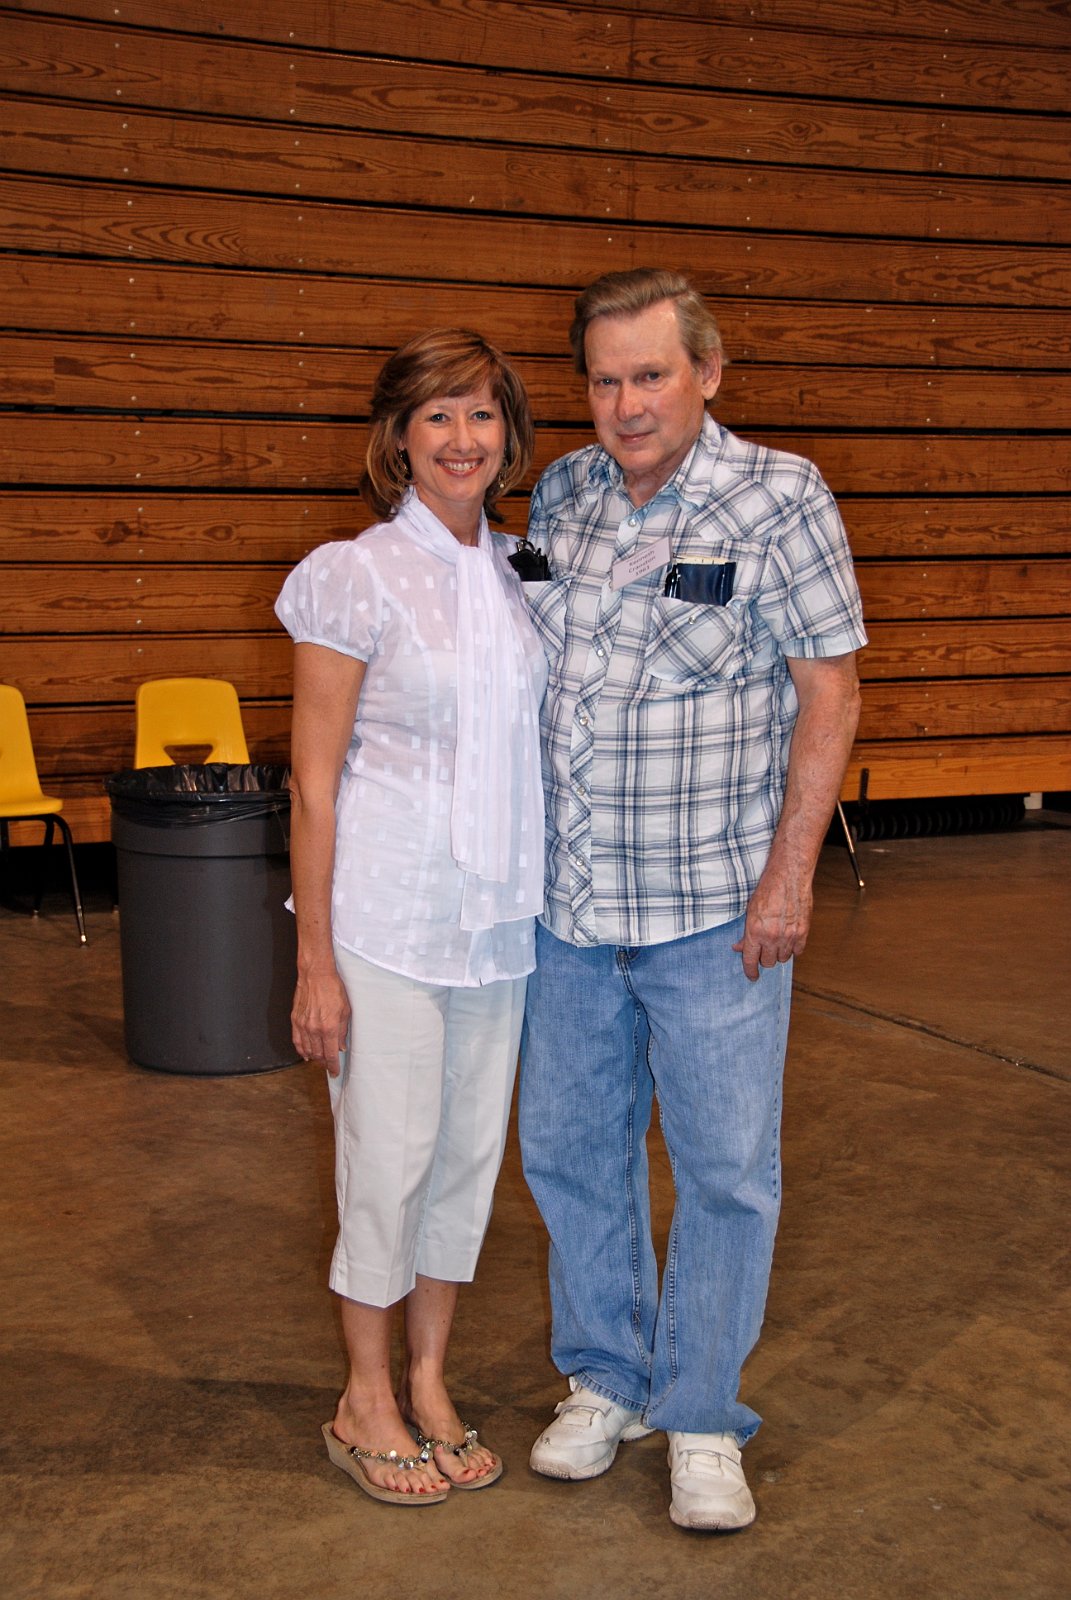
170	1349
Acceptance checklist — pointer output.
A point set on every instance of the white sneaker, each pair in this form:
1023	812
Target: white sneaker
709	1487
582	1441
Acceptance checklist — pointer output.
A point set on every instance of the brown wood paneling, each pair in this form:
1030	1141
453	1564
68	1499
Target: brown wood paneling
948	709
606	43
321	88
1021	524
832	397
174	528
1029	22
123	375
375	169
919	589
975	648
105	668
174	453
1005	764
159	301
138	600
952	464
883	335
287	235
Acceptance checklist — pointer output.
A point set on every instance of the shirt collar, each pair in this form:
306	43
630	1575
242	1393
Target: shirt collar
690	484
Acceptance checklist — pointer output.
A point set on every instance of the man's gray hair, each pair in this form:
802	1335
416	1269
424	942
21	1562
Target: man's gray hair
626	294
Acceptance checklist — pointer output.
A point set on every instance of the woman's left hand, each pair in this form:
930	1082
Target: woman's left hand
320	1018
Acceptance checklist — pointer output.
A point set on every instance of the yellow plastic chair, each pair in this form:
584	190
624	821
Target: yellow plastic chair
195	713
22	798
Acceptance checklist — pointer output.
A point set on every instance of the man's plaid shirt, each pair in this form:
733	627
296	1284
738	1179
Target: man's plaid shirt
666	723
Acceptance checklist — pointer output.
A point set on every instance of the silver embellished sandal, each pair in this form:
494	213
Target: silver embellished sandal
492	1475
350	1458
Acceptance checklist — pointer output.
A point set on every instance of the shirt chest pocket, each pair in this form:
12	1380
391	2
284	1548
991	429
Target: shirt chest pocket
692	644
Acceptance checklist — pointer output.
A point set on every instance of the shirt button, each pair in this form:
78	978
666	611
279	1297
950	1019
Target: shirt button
582	719
633	522
600	653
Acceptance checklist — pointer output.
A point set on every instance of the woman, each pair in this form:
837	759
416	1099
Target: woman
417	858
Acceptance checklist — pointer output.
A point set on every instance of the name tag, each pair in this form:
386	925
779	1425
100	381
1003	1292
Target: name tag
640	563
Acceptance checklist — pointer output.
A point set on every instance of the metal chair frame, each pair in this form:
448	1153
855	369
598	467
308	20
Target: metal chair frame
27	802
51	820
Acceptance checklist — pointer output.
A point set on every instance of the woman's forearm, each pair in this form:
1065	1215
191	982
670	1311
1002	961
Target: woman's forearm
312	861
326	689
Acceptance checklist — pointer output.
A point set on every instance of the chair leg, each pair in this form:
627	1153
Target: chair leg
75	892
43	851
850	842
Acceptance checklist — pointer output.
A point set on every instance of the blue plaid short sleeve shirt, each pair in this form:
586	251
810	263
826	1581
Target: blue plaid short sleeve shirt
667	722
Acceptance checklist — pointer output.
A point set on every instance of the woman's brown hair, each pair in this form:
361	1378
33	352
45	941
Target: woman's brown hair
445	362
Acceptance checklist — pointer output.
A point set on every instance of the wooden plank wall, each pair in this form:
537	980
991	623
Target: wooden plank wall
215	219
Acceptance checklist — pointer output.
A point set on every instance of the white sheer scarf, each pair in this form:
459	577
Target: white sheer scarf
496	819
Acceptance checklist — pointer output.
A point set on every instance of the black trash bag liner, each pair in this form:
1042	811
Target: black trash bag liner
189	796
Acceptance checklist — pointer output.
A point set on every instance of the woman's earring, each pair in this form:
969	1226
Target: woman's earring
407	471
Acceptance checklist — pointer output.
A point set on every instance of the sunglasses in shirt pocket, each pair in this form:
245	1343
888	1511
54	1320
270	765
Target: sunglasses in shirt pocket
707	583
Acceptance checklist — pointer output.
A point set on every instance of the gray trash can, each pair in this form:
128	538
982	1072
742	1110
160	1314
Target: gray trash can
208	949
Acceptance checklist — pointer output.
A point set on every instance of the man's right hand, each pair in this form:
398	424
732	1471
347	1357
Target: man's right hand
778	920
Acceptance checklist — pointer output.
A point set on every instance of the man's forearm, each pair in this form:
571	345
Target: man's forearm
779	912
821	744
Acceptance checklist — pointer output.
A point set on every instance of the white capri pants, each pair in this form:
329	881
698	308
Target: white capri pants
421	1108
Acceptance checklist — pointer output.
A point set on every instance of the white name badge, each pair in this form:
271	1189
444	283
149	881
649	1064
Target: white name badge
640	563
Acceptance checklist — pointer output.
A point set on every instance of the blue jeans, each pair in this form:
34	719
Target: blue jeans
605	1028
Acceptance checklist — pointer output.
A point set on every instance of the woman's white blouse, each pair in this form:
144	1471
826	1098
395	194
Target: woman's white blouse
390	599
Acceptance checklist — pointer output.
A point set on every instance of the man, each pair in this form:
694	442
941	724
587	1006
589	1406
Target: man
701	618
